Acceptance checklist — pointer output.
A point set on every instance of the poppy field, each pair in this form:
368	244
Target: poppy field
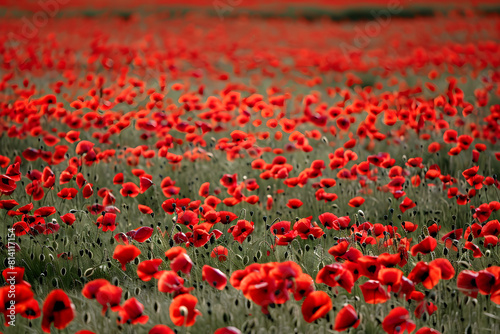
197	173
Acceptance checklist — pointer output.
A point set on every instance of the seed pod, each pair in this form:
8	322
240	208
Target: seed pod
88	272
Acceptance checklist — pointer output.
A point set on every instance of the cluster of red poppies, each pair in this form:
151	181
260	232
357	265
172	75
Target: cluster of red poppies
271	283
486	282
18	298
252	138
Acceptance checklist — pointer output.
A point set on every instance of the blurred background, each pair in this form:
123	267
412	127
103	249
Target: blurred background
334	8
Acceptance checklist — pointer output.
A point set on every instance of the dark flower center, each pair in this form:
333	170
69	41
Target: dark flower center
59	306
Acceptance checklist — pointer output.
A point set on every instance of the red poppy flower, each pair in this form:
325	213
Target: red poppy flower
228	330
204	190
398	321
182	310
450	136
8	204
188	218
490	241
131	312
327	183
390	277
200	236
409	226
476	251
31	154
258	287
373	292
241	230
129	189
220	252
125	254
464	141
342	222
339	249
434	229
211	216
170	282
57	309
173	252
30	309
145	183
356	201
170	191
476	181
109	295
121	238
145	209
396	183
20	298
90	289
446	268
229	180
214	277
4	161
467	283
328	219
141	234
269	203
83	147
294	203
72	136
87	191
406	205
21	228
415	162
161	329
287	238
423	273
389	260
491	228
352	254
370	266
488	282
15	274
107	222
425	246
68	218
118	179
425	307
182	263
346	318
304	285
316	305
305	227
25	208
44	211
148	269
80	180
336	275
226	217
470	172
14	170
452	235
